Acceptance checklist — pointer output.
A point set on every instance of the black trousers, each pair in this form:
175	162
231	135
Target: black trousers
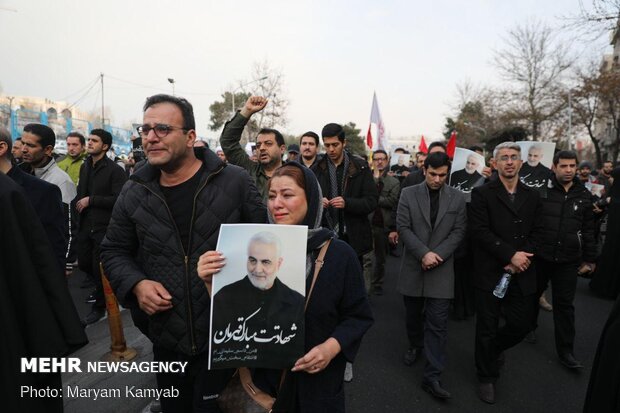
380	238
198	386
88	249
427	326
492	340
563	279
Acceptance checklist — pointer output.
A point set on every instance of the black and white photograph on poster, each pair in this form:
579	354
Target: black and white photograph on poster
597	190
399	163
257	311
467	169
537	161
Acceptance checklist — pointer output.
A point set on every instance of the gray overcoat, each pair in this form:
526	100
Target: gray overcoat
415	231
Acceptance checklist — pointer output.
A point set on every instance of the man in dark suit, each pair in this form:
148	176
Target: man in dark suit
258	320
431	221
44	197
505	215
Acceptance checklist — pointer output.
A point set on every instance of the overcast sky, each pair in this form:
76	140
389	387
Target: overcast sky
333	54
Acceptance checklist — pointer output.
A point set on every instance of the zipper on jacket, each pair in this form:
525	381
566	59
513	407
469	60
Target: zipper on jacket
187	272
174	224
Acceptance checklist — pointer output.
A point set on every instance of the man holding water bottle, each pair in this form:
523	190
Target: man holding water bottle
505	218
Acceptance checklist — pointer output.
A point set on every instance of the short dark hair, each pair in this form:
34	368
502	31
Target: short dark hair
19	138
435	144
187	111
437	160
476	148
419	153
312	135
400	149
5	136
608	161
379	151
279	137
46	135
564	155
333	129
77	135
106	137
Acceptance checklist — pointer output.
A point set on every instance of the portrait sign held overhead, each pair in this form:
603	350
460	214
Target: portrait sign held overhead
399	162
537	161
258	298
466	171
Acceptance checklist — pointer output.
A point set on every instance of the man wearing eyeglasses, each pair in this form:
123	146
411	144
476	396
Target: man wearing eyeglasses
166	216
381	218
505	221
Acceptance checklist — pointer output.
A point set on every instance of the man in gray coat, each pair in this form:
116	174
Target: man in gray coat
431	222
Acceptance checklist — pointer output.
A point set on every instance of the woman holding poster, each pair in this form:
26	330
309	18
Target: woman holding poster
338	313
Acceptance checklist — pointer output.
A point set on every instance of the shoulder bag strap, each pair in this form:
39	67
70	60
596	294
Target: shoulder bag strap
317	267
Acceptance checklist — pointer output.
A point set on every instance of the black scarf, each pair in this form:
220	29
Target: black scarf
317	236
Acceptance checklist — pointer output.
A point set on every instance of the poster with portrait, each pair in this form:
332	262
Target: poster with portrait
597	190
399	163
537	161
258	297
466	171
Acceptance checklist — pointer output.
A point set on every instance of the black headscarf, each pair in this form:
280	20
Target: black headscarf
317	236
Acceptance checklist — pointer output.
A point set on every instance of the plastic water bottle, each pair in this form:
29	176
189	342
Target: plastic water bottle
502	285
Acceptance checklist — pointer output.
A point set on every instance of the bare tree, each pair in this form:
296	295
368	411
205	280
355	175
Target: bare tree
266	81
594	18
533	62
271	85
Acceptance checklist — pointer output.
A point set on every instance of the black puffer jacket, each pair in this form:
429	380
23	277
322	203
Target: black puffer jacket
142	242
360	199
569	224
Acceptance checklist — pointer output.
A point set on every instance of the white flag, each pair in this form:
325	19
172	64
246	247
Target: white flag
375	117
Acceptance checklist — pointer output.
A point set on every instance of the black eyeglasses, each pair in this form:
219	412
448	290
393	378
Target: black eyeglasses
161	130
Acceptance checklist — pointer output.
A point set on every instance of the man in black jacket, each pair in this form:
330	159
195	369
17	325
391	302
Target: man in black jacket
101	180
167	215
44	197
505	218
349	191
567	243
37	316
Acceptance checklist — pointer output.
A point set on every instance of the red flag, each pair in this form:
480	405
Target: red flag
369	137
451	146
422	147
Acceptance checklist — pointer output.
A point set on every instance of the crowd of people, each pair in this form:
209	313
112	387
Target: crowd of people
488	245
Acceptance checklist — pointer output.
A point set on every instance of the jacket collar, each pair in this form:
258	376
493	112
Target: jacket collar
148	174
502	194
39	172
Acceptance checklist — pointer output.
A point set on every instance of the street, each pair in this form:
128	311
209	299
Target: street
532	379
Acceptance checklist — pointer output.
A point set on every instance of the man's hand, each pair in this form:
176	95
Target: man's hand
511	268
486	172
82	204
337	202
325	202
252	105
152	297
521	260
405	173
586	268
393	237
431	260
